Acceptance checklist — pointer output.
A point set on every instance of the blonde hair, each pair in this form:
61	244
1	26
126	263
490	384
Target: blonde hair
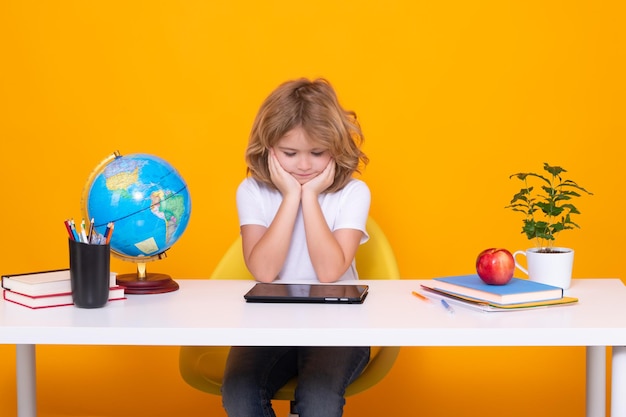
312	105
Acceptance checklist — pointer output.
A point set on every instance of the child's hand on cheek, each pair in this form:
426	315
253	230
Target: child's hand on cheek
324	180
284	181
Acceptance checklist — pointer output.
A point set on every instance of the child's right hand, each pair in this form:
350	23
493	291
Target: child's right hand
286	183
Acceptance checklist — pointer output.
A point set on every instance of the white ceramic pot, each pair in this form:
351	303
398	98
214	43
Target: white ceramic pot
552	268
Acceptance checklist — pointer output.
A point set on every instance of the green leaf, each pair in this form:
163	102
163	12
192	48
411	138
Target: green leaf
553	170
569	193
562	197
570	183
519	196
571	208
549	208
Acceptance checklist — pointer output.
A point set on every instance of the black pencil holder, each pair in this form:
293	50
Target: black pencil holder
90	271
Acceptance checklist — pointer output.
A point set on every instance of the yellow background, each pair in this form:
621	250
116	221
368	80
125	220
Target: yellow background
453	96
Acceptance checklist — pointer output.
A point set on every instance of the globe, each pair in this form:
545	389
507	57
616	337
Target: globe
148	203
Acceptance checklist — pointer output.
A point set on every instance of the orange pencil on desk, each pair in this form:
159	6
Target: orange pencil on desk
420	296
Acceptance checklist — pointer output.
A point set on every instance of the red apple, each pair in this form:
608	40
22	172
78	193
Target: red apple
495	266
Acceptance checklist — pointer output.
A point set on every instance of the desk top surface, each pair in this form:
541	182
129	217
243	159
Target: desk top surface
213	312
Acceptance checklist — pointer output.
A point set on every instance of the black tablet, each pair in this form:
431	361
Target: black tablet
307	293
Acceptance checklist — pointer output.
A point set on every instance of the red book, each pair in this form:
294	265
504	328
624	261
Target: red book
43	282
54	300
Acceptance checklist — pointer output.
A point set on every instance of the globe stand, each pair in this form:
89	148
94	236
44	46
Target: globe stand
146	283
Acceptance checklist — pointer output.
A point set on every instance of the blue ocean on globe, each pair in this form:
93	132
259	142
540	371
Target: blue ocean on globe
146	199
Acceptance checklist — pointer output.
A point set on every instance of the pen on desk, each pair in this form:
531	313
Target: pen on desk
447	306
420	296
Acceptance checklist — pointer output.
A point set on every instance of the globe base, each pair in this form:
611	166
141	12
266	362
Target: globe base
153	283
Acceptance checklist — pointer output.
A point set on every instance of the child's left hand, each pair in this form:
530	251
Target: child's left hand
324	180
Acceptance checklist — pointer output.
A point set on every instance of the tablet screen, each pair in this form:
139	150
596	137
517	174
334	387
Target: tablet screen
307	293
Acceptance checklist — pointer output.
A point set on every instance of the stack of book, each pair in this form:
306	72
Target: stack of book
517	294
47	289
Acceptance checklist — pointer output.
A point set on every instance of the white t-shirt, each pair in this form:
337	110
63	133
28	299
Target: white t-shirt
347	208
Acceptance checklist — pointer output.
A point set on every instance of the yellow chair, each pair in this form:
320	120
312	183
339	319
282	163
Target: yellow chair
202	367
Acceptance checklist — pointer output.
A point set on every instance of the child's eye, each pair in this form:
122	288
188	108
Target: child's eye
318	153
289	153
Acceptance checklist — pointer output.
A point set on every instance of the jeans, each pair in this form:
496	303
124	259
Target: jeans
254	374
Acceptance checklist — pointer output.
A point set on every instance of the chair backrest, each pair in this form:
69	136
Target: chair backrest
374	259
232	264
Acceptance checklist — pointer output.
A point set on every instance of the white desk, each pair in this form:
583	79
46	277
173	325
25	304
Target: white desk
390	316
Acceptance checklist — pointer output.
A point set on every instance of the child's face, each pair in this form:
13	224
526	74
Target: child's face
301	157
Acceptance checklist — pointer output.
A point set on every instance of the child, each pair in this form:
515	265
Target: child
302	217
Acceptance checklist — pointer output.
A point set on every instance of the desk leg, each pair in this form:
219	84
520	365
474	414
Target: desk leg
596	381
618	382
26	381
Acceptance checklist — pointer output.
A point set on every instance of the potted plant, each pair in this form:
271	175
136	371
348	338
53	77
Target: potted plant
546	201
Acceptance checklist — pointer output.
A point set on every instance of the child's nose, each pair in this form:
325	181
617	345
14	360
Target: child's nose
304	163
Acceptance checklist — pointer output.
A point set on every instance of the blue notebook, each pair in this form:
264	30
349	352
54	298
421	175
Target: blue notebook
516	291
